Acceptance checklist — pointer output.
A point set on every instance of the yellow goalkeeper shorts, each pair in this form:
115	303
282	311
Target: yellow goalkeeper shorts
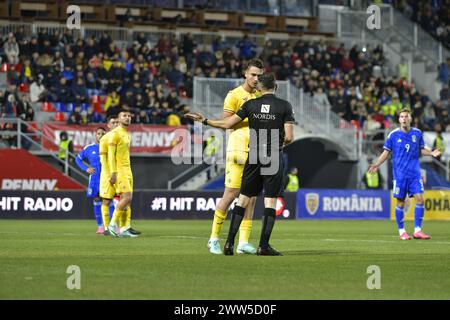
124	183
234	168
107	191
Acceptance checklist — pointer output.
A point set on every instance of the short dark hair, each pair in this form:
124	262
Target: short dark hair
110	118
405	110
254	63
267	81
101	128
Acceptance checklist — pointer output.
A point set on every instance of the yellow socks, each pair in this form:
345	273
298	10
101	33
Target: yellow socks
245	230
116	216
105	215
219	218
125	219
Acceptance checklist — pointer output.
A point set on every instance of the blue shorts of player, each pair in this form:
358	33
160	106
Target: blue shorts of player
403	187
93	189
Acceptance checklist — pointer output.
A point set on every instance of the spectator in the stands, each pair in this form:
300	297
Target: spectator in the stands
11	49
142	117
80	91
75	117
246	48
114	110
320	99
90	116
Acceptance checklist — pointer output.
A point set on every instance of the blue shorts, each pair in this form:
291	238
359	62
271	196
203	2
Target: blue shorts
93	189
407	187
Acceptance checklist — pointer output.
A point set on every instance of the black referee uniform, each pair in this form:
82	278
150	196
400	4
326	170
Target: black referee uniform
266	117
263	170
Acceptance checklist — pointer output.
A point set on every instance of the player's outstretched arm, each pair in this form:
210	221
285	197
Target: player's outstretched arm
435	153
226	123
374	167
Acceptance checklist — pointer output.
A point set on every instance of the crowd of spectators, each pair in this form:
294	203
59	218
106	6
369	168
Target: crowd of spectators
153	79
432	16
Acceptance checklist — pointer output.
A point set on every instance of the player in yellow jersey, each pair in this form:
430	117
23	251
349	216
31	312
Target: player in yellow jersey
237	153
107	191
121	176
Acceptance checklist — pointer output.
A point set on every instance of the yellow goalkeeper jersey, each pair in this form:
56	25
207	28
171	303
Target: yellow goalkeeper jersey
103	151
119	151
240	135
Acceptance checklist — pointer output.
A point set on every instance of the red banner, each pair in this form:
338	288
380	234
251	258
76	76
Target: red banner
20	170
144	138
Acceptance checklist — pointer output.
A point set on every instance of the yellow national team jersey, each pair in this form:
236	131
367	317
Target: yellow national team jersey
119	142
103	150
239	137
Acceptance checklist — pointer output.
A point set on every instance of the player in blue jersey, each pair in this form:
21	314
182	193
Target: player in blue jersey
91	154
406	145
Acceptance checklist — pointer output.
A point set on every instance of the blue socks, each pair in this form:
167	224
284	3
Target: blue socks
419	211
418	215
98	213
400	217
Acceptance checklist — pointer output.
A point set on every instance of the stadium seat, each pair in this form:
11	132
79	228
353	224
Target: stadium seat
47	107
60	107
60	116
97	104
70	107
24	87
356	124
84	106
5	67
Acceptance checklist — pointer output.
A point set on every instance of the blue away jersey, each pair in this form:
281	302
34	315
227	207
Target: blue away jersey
405	148
91	154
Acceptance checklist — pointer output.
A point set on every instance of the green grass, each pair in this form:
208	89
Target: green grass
323	260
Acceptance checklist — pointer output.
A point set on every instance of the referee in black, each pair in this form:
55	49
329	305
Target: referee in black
271	122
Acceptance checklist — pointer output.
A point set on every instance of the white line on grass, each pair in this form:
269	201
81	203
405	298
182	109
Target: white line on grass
381	241
183	237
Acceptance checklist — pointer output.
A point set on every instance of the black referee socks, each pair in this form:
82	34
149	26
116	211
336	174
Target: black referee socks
236	218
268	221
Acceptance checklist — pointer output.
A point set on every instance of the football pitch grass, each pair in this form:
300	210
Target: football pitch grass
322	260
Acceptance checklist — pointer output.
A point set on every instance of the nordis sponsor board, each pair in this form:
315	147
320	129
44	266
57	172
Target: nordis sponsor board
437	206
342	204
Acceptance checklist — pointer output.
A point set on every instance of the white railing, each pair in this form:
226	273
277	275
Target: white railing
394	24
26	135
209	95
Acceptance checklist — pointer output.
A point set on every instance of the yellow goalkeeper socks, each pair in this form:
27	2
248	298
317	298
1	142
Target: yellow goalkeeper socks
116	216
105	215
125	219
219	218
245	230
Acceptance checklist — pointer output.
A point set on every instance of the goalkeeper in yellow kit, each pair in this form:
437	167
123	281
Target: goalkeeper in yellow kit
121	176
237	153
107	191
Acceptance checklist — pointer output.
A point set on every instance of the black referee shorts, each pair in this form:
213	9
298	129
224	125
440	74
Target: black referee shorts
253	182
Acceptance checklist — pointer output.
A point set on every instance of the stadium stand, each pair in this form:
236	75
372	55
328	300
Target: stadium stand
75	78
